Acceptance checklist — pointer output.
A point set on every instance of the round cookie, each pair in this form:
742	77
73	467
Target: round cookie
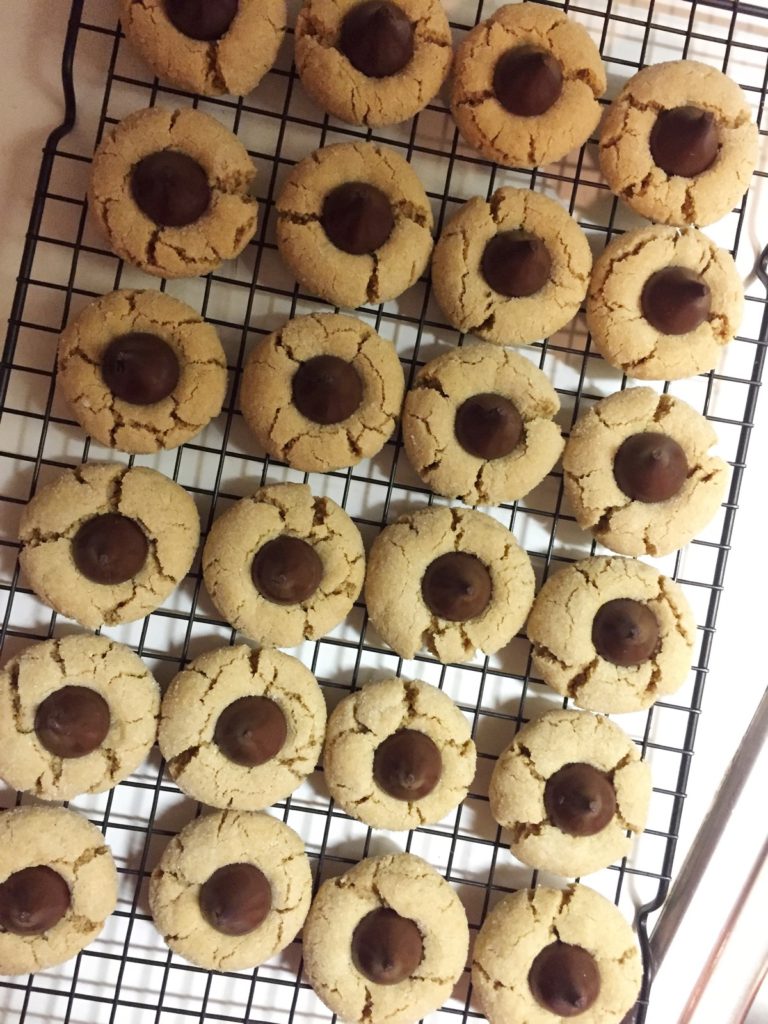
663	303
612	634
477	425
241	728
678	144
77	715
323	392
512	269
478	582
58	885
141	371
574	955
374	63
638	475
283	566
231	890
386	941
398	754
170	189
526	86
354	224
569	787
105	543
207	47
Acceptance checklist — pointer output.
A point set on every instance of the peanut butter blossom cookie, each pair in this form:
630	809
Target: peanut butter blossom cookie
678	144
354	224
283	566
574	955
612	634
448	579
171	191
77	715
638	472
477	425
231	890
323	392
526	86
398	754
141	371
373	62
512	269
569	788
107	543
58	885
207	46
386	941
242	728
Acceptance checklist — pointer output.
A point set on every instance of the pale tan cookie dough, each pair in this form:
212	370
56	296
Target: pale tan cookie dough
164	511
538	751
340	88
536	918
237	535
196	399
341	277
429	415
224	229
364	719
615	317
625	154
507	138
215	841
600	506
398	560
267	402
207	686
70	845
469	302
414	890
235	63
99	664
560	630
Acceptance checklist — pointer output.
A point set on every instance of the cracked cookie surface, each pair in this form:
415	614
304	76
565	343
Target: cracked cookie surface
560	628
205	846
404	551
42	671
339	87
537	918
363	721
624	524
440	390
615	314
163	511
541	749
219	233
233	62
74	849
238	535
628	163
267	398
128	426
471	304
509	138
407	885
345	278
201	693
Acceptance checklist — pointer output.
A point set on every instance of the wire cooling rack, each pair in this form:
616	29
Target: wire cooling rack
128	974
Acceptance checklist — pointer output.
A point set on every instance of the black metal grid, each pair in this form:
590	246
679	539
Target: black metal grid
128	974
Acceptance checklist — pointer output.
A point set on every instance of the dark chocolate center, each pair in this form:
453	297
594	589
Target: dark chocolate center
110	548
564	979
72	721
488	426
357	217
33	900
527	81
207	20
327	389
140	368
170	188
250	731
456	586
579	799
675	300
625	632
287	570
377	38
386	947
236	899
684	141
650	467
516	264
407	765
